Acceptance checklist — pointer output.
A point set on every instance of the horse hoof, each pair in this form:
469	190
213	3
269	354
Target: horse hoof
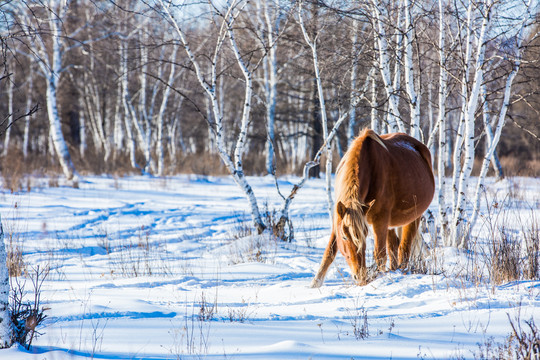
316	283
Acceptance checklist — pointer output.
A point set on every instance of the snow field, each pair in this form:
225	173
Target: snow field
150	268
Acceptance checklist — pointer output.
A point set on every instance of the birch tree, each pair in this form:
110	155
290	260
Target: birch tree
462	222
161	113
441	122
7	133
494	135
207	78
271	21
49	59
410	72
5	316
312	43
459	207
379	14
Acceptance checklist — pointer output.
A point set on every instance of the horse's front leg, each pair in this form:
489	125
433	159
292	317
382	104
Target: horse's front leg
392	244
380	232
328	258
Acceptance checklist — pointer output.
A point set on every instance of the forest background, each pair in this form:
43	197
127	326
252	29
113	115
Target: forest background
263	87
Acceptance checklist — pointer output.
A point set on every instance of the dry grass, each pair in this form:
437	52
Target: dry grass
514	166
134	257
504	258
15	261
522	343
27	315
17	171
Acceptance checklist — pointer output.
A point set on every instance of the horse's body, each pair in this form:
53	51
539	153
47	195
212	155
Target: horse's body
384	181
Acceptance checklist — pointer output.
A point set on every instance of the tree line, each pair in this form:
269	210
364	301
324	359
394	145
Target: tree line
271	87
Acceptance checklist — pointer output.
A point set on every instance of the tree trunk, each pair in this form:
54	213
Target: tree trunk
10	113
55	130
410	75
393	120
161	114
351	133
441	123
5	317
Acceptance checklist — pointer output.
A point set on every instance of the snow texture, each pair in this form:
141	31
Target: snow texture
163	268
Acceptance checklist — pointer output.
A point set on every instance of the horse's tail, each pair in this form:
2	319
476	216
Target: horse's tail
418	247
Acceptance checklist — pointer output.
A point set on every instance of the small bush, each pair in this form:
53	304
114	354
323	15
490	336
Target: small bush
27	315
520	344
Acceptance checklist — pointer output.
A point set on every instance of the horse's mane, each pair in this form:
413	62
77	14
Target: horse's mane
348	188
347	178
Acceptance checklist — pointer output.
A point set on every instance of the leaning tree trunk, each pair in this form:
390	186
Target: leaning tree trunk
312	43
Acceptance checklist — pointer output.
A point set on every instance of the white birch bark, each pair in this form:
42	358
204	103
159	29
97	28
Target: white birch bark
393	119
118	133
458	142
240	147
50	63
270	66
82	136
354	75
489	134
441	124
431	119
161	114
5	317
127	111
141	118
373	113
410	74
10	113
55	126
26	134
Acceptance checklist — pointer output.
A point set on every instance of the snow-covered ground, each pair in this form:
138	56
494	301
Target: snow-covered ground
149	268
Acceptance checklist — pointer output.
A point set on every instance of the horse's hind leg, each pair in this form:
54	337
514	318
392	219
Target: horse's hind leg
407	238
328	258
392	244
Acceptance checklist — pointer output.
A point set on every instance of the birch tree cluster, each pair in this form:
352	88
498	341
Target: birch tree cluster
262	87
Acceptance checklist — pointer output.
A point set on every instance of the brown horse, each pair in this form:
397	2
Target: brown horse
387	182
